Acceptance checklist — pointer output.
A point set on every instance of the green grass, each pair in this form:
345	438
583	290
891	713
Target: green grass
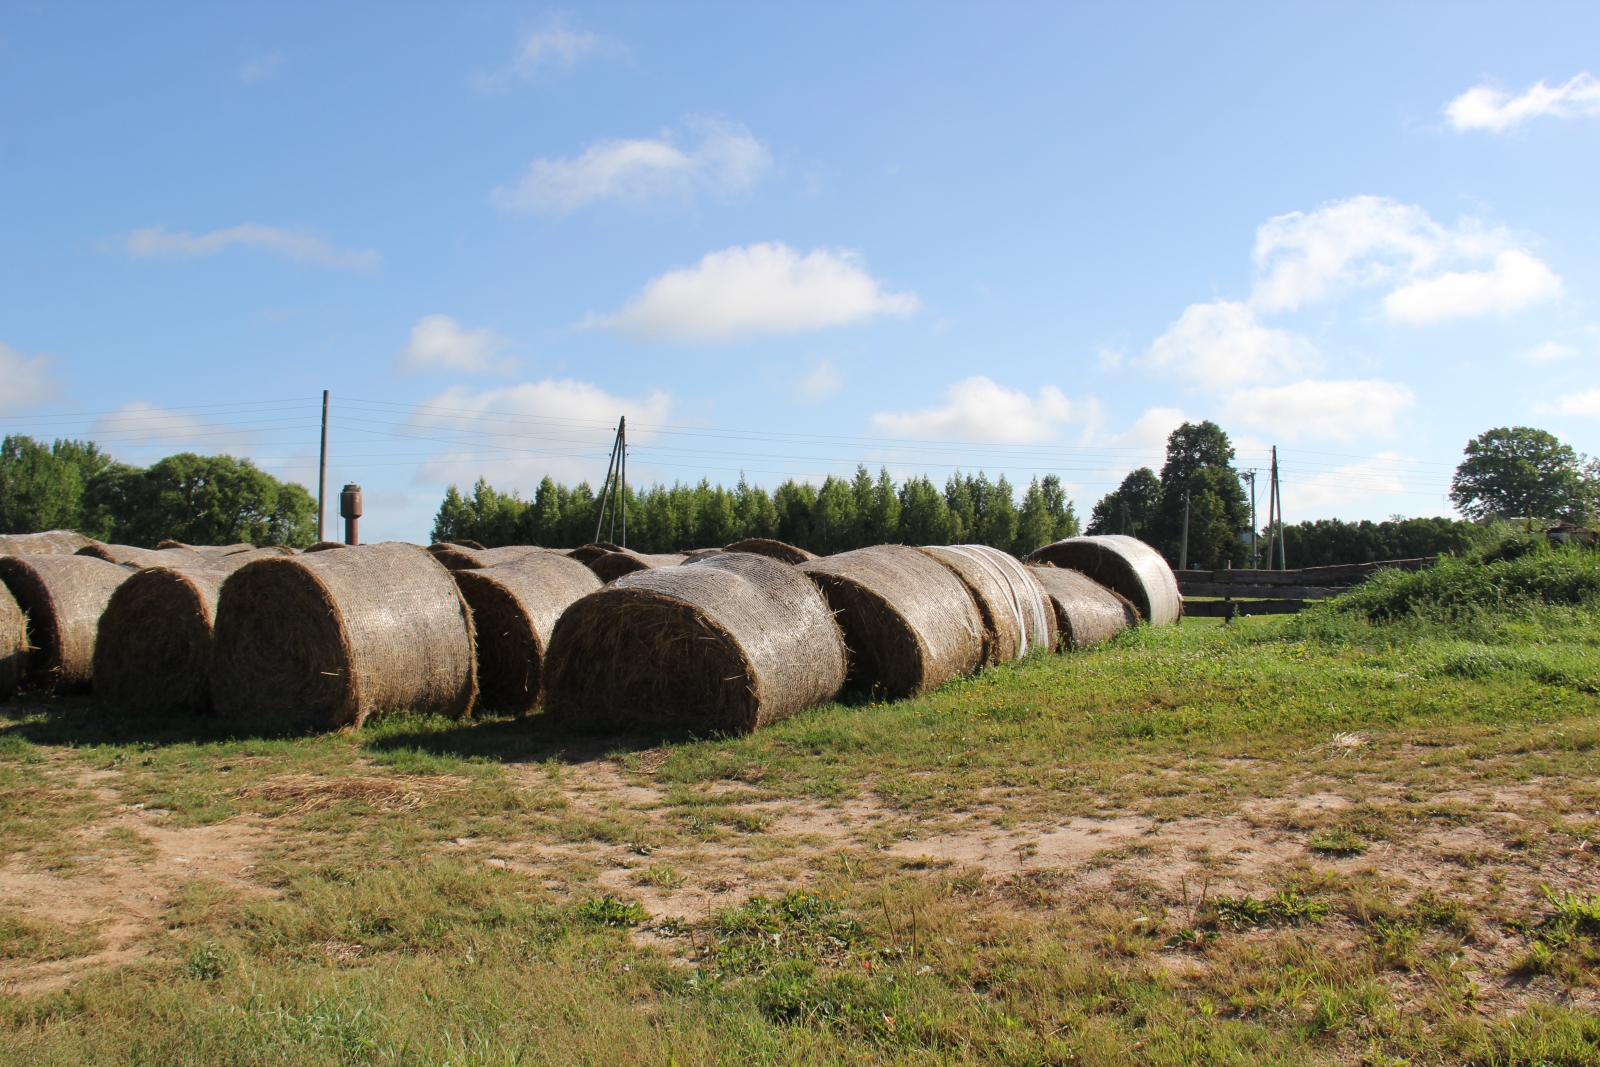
1457	726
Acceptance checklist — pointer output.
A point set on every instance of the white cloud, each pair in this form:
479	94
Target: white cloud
1516	281
821	382
1382	475
440	342
1586	404
1223	344
1150	430
156	241
1548	352
726	160
516	435
758	289
557	48
256	69
977	409
141	432
1484	107
28	381
1322	410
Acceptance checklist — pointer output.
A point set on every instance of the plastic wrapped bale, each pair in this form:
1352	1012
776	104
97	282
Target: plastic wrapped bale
614	565
63	597
1016	612
766	546
13	643
458	557
515	605
1125	565
325	639
728	645
1087	613
908	622
145	557
153	652
48	543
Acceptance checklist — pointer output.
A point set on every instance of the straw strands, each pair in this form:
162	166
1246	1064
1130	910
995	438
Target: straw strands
766	546
326	639
614	565
145	557
50	542
1017	617
13	643
732	643
64	597
1087	613
214	550
515	605
457	556
908	622
1124	564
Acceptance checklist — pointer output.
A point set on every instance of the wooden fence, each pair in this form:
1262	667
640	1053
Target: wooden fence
1256	592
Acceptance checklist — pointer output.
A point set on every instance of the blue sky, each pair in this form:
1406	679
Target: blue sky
786	238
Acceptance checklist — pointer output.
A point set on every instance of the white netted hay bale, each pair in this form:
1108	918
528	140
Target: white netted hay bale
1016	612
908	622
1087	613
325	639
515	606
728	645
63	597
1123	564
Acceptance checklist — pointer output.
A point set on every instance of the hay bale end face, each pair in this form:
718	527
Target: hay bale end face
730	644
1125	565
515	606
326	639
908	622
1087	613
766	546
1016	613
13	643
48	543
63	597
461	556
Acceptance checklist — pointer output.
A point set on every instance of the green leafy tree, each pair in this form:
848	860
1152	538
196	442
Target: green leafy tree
42	488
1132	508
1046	515
1200	463
206	500
1519	472
1328	542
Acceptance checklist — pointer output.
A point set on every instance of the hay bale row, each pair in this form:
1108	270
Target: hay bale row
132	556
63	597
469	555
13	643
1125	565
47	543
1015	610
515	606
1087	613
766	546
732	643
614	565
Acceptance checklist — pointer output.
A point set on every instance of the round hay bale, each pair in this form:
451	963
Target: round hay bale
210	551
1087	613
50	542
731	644
766	546
1016	613
614	565
515	605
586	553
13	643
145	557
457	556
326	639
326	546
691	554
63	597
909	624
1124	564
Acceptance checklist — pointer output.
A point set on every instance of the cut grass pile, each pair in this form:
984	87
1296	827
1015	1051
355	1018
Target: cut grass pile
1384	801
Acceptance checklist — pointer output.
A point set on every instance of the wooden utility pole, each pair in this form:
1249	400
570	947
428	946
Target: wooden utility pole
1183	554
616	479
322	471
1255	531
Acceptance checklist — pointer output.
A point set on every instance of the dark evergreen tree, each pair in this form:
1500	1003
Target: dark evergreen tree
1200	463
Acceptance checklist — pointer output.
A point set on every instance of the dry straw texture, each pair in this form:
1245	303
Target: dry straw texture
145	557
1087	613
327	546
460	557
327	639
13	643
515	605
728	645
1124	564
214	550
50	542
154	647
766	546
590	552
910	625
64	597
1017	617
614	565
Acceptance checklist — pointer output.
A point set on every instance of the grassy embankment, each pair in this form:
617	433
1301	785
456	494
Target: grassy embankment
1358	835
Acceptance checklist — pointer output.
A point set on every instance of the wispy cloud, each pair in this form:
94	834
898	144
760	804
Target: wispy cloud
1382	475
1485	107
978	409
29	381
439	342
1586	404
254	70
1354	410
819	383
555	49
757	289
725	160
139	431
1222	344
158	241
1517	280
1548	352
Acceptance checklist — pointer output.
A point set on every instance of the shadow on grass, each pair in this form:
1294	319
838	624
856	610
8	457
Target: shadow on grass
45	719
531	739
